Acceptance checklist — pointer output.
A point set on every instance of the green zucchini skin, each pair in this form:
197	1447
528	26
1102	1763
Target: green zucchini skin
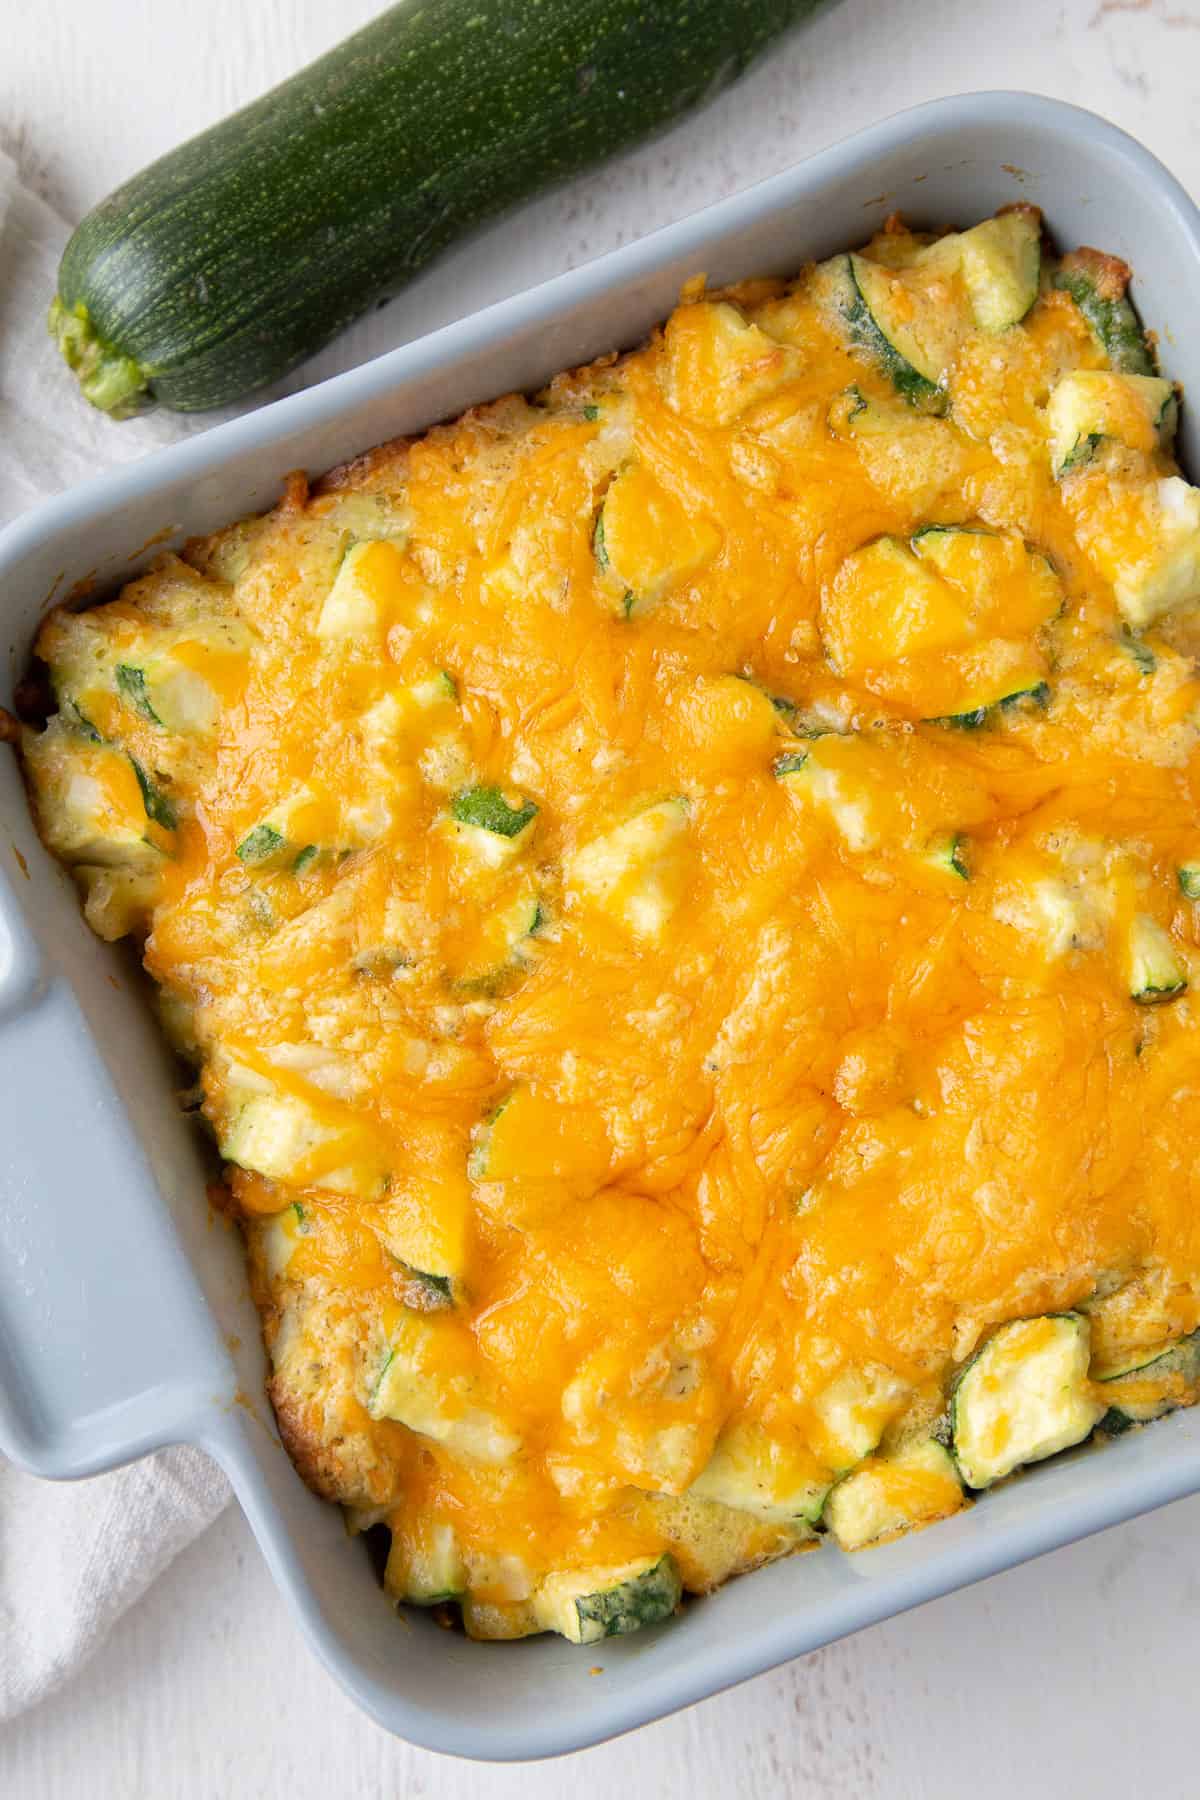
1098	290
234	257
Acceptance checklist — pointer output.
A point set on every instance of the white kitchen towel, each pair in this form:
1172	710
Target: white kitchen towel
73	1555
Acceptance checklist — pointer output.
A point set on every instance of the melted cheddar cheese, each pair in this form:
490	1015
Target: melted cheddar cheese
663	884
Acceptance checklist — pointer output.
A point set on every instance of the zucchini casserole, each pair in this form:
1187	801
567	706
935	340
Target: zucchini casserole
681	895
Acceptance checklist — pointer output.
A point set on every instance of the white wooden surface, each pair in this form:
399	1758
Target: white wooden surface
1075	1671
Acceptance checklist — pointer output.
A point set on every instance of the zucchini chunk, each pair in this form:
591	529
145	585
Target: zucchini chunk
911	335
422	1291
425	1563
710	1542
852	414
182	697
751	1470
828	781
487	828
486	809
414	1387
280	841
878	791
645	543
1146	1384
1001	264
730	723
1062	914
532	1136
1097	284
946	624
499	949
1140	654
176	676
887	1495
422	1224
402	713
486	1161
369	581
181	680
1169	575
909	457
280	1136
885	604
805	720
1066	916
264	843
270	1134
1156	970
789	762
1009	588
1037	695
420	723
905	454
95	806
279	1238
854	1411
131	685
591	1604
491	1621
718	364
1022	1397
1089	405
998	261
886	315
118	901
947	853
1141	535
1147	1309
1188	877
159	808
637	872
369	516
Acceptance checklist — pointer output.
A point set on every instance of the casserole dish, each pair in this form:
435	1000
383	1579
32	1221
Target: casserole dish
112	1307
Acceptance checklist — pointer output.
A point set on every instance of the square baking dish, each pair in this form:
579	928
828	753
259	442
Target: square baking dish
125	1321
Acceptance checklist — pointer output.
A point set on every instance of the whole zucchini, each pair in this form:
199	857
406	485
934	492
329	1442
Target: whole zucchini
239	254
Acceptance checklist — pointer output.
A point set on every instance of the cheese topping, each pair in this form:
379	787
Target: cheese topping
665	885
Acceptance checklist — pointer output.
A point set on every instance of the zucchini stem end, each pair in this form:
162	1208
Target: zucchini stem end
114	383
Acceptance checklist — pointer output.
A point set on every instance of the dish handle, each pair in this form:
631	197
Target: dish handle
107	1349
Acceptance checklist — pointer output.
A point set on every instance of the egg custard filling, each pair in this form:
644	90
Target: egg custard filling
682	894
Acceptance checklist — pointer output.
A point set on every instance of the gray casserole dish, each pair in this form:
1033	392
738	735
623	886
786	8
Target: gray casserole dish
125	1323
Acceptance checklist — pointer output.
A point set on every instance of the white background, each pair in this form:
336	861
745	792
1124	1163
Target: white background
1075	1672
